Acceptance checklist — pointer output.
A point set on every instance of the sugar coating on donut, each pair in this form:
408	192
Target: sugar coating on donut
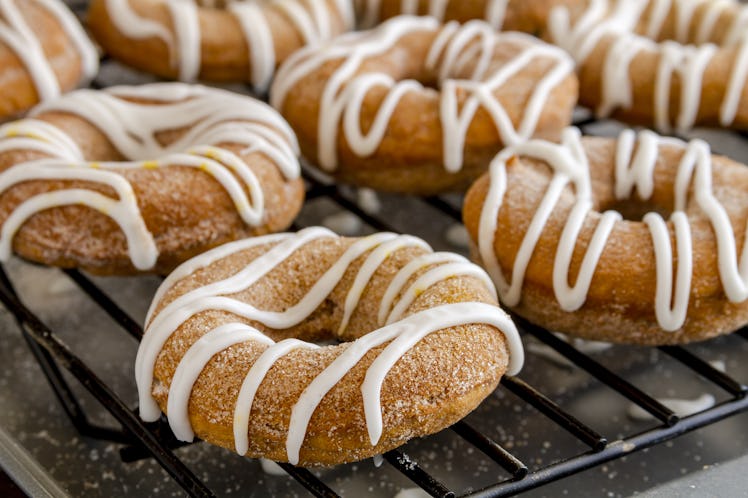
684	39
399	330
493	11
453	47
132	119
634	170
312	22
18	35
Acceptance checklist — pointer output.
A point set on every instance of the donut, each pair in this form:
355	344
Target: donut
139	179
577	237
218	40
668	64
43	52
418	107
528	16
230	353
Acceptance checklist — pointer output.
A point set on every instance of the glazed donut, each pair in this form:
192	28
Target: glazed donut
139	179
218	40
671	64
528	16
228	350
43	52
362	107
576	266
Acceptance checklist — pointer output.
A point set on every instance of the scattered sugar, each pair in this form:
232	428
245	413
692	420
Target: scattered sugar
343	223
412	493
583	346
457	235
681	407
271	468
548	353
368	200
719	365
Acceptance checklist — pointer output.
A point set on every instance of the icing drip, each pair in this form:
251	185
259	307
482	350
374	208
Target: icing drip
311	20
216	118
617	22
19	36
454	45
570	167
401	334
494	11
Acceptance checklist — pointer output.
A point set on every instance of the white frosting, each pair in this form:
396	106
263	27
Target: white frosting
616	21
20	37
311	20
454	45
401	334
570	167
216	117
494	12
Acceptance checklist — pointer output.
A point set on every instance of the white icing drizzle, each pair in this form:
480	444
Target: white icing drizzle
311	19
618	20
343	95
252	381
216	117
194	361
401	335
494	13
19	36
570	167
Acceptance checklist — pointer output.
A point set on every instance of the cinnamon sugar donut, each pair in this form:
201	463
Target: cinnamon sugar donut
219	40
547	228
528	16
671	64
363	108
43	52
136	179
228	350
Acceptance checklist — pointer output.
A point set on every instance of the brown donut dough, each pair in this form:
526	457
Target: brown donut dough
528	16
17	89
620	303
224	50
186	210
436	383
410	156
669	48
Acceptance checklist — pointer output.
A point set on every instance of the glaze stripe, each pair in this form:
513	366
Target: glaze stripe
193	363
19	36
343	95
311	19
615	23
570	167
402	335
214	118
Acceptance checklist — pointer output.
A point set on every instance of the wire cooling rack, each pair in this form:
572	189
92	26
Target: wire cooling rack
506	456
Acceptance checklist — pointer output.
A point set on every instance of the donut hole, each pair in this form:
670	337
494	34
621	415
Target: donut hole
634	209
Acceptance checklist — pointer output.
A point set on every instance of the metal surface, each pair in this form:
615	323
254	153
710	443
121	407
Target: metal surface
561	427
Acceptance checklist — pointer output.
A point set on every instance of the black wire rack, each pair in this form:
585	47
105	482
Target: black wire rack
155	440
140	440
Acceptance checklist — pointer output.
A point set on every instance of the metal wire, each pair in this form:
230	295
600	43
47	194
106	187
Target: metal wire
142	440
